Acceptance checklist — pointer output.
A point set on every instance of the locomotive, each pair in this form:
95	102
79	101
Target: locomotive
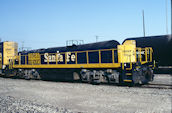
95	63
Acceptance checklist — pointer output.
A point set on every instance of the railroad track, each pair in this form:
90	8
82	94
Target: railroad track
157	86
150	85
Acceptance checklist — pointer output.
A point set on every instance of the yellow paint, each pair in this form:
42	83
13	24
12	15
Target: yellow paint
137	67
87	57
151	51
10	50
127	80
130	68
126	52
123	66
99	57
128	74
129	42
19	59
146	58
33	58
76	57
102	65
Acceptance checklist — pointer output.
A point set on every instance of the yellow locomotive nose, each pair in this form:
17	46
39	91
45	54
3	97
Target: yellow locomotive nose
8	51
127	52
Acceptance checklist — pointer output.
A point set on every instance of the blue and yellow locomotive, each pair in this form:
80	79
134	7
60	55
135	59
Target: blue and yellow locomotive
99	62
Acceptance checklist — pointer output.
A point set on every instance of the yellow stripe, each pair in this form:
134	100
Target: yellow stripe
102	65
128	74
127	80
99	57
87	57
137	66
75	58
130	68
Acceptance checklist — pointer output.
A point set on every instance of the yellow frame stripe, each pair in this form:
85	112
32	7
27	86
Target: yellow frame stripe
102	65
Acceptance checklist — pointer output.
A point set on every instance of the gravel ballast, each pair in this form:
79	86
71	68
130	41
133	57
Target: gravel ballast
33	96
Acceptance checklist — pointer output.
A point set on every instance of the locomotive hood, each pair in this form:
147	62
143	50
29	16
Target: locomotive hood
91	46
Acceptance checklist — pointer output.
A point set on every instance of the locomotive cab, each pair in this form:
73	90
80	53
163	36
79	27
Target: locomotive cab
137	63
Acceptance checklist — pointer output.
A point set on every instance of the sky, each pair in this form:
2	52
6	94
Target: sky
50	23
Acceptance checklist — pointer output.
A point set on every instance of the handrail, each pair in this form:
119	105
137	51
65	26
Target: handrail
137	54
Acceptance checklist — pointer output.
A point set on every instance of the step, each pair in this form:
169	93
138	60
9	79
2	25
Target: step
127	80
128	74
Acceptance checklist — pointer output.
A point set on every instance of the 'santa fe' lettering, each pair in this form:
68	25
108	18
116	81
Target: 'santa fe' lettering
59	57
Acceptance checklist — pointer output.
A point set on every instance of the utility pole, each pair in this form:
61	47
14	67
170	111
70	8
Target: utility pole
167	17
97	38
22	45
143	23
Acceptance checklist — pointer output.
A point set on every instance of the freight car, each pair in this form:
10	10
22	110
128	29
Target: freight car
162	46
99	62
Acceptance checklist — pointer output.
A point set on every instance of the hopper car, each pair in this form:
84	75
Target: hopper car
95	63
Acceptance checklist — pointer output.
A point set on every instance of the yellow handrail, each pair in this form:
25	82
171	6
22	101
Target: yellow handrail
37	61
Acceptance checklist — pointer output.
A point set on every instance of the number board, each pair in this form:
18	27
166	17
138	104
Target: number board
34	58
